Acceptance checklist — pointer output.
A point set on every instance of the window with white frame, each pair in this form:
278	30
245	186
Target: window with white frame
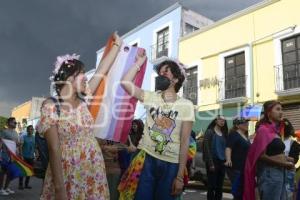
190	89
291	62
235	78
162	44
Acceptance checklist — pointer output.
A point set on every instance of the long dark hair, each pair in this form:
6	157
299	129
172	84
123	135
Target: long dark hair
268	105
67	69
288	128
138	134
213	123
140	126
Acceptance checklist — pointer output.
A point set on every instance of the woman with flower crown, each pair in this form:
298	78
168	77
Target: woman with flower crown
76	167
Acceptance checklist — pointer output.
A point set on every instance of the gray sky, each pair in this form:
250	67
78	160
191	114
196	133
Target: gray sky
34	32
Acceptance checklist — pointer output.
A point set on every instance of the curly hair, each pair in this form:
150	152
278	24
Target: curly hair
175	70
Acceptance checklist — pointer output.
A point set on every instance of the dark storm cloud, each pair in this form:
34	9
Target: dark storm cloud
34	32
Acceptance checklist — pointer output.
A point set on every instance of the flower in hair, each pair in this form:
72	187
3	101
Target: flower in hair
64	59
60	60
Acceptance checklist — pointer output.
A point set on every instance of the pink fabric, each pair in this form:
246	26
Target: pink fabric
138	81
264	135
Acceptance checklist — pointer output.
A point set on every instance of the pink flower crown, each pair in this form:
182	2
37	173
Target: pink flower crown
60	60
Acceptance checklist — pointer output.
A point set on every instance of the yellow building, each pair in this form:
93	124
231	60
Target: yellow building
27	113
247	58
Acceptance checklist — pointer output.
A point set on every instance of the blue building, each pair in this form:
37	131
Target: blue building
159	36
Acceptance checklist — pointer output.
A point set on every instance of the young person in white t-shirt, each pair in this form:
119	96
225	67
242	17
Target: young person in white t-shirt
166	133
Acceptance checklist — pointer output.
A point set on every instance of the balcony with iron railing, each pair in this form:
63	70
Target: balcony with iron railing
287	82
233	90
159	52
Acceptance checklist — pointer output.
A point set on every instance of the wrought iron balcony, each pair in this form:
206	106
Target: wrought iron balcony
287	79
159	51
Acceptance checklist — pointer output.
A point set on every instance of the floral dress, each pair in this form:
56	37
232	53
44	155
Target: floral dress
82	161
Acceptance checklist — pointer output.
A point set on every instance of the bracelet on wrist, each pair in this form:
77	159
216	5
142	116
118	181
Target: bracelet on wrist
138	68
116	44
179	178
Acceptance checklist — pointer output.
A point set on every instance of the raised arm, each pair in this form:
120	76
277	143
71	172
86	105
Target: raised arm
105	64
127	80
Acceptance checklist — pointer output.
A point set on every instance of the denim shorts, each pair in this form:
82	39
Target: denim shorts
290	183
271	183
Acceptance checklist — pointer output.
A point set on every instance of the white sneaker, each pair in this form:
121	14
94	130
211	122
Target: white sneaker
4	193
10	191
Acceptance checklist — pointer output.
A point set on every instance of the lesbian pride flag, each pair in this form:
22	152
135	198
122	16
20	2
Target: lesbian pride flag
112	108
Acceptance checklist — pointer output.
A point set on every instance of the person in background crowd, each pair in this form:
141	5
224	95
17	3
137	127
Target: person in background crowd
2	170
136	132
42	155
214	145
237	146
191	154
126	154
266	158
8	134
113	164
292	149
27	151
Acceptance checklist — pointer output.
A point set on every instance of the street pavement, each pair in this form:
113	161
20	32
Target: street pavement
26	194
194	194
34	193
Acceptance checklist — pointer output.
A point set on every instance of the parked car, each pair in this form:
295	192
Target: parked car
198	169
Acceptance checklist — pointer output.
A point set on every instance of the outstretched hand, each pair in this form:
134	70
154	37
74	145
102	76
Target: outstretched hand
141	57
117	38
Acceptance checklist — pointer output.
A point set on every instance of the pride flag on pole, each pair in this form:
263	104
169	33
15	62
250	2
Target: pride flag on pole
112	108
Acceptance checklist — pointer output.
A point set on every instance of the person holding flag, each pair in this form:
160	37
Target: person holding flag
76	167
7	134
161	161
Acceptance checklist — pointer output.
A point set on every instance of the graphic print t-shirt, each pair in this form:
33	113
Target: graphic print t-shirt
162	131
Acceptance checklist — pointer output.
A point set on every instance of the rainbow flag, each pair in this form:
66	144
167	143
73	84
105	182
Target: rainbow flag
192	149
15	165
112	108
